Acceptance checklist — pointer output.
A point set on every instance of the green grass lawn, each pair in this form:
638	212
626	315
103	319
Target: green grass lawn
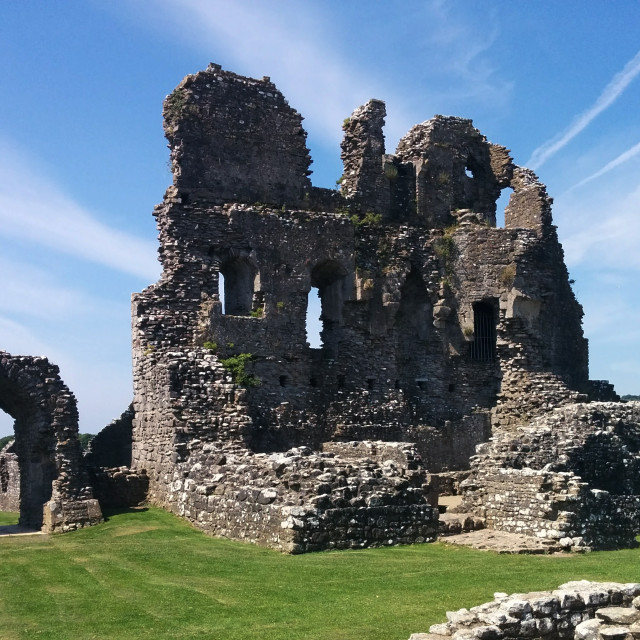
147	574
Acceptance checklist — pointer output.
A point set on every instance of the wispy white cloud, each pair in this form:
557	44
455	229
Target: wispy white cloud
610	94
299	46
290	43
29	290
19	340
621	159
612	242
458	50
33	208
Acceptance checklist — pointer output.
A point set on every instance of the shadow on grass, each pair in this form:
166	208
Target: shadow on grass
111	512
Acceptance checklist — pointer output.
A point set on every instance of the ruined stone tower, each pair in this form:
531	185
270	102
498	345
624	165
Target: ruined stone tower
436	325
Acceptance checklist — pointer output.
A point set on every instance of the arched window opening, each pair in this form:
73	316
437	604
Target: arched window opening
237	284
328	278
483	346
501	205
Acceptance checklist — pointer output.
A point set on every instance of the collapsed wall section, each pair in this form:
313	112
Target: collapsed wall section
235	139
571	476
579	609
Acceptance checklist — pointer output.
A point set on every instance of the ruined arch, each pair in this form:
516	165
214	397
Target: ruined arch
55	494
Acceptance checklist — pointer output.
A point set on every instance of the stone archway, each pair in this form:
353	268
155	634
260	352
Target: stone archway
55	494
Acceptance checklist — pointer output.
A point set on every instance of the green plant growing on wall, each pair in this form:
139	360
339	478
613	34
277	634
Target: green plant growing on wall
279	305
257	313
236	366
345	123
211	346
370	219
467	331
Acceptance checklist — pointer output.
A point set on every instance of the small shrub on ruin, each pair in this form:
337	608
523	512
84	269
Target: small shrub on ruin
370	219
236	366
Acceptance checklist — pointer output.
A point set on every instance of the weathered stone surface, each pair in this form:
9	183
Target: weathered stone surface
618	615
570	476
9	478
44	464
588	630
578	609
615	633
426	307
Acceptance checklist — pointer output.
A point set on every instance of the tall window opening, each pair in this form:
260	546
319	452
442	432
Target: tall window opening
237	283
314	324
501	205
412	323
328	278
483	347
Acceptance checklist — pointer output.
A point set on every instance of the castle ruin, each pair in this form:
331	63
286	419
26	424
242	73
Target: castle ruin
439	329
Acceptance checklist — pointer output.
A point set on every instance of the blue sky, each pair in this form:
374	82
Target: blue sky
84	159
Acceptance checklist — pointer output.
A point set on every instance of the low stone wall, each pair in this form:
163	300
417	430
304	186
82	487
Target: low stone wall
300	501
572	609
556	506
572	476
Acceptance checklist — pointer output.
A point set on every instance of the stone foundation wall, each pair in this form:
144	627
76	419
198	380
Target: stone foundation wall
560	614
300	501
553	506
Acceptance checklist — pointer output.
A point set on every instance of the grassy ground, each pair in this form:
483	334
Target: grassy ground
147	574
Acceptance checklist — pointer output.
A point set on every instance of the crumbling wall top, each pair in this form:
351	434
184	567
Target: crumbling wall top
234	138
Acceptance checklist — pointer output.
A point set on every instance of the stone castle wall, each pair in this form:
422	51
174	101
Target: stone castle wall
55	493
436	326
9	479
